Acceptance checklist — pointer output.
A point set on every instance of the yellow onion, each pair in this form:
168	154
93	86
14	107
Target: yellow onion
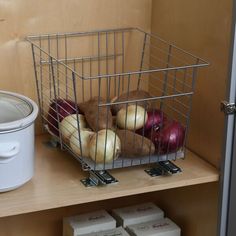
85	137
135	117
104	146
69	125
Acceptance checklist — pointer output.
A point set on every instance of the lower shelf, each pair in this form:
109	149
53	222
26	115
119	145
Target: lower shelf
56	182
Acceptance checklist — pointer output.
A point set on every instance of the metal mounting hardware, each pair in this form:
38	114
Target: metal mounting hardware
169	167
52	143
155	171
228	108
163	168
97	178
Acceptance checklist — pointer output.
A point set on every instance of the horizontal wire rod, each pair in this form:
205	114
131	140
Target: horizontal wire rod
145	99
84	59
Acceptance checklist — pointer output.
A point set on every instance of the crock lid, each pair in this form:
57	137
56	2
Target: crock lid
16	111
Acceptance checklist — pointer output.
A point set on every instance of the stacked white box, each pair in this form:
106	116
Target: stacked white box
162	227
112	232
137	214
88	223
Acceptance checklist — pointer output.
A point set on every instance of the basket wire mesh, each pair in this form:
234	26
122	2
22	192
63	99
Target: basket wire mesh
74	68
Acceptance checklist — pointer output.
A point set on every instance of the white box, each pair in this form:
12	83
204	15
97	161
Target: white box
112	232
162	227
88	223
137	214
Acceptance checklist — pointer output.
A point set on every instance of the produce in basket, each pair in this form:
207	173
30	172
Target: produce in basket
132	118
114	123
104	146
85	137
133	144
168	139
155	119
70	124
98	118
132	95
59	109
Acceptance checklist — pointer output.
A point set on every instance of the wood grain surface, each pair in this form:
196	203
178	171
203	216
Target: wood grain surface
19	19
193	208
190	198
56	182
204	29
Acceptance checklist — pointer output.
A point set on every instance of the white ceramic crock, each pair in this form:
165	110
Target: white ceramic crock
17	116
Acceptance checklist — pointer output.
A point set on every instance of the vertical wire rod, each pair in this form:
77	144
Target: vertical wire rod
126	111
123	59
66	69
115	77
37	82
166	77
99	94
190	104
82	71
58	80
56	100
90	74
41	76
142	59
49	59
77	113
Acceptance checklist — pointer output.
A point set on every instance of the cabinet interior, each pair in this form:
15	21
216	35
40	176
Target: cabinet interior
188	24
193	27
185	206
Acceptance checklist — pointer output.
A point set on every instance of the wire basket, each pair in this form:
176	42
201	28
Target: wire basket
130	93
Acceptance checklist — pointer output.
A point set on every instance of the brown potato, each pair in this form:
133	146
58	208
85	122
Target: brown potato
132	95
96	120
133	144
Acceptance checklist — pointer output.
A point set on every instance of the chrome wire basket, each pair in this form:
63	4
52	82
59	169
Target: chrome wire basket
116	69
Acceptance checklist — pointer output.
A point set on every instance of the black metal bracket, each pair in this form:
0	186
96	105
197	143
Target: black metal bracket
98	178
163	168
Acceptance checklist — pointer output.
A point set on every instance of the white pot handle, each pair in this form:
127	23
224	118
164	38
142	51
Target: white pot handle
8	151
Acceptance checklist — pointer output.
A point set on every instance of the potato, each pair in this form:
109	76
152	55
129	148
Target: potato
97	120
132	118
133	144
132	95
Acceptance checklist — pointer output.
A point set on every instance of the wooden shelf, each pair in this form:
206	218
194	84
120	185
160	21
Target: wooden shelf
56	182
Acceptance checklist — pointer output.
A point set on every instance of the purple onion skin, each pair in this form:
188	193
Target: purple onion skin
155	119
65	107
169	139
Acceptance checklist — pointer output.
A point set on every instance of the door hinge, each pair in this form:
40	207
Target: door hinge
228	108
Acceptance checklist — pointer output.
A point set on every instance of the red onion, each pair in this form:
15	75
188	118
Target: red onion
168	139
65	107
155	119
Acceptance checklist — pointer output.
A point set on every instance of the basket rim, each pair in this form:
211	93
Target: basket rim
32	38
